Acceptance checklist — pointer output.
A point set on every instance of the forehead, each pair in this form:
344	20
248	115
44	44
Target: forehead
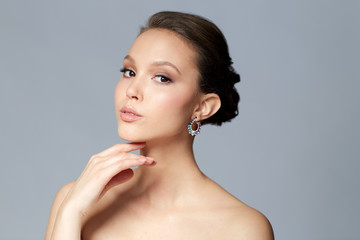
161	44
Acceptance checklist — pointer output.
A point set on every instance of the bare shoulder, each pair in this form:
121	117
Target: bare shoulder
59	198
61	195
248	223
240	220
64	190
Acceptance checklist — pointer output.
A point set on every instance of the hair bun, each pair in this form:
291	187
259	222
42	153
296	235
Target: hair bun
233	76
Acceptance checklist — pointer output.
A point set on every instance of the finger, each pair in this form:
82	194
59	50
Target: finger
102	162
122	147
119	178
98	164
118	166
108	172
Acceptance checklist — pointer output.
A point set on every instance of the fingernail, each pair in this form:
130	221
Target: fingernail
151	161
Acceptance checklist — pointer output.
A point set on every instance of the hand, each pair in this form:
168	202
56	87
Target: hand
104	171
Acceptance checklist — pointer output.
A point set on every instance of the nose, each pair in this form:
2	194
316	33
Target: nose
134	89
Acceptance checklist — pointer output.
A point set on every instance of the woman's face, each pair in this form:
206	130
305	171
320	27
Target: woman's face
158	92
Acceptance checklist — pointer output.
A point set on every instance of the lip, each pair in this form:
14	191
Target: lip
128	114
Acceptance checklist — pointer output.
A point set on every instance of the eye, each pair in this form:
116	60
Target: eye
162	79
127	72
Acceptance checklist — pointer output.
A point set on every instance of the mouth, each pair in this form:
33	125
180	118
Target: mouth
128	114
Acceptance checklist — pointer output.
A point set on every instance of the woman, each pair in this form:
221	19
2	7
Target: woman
176	75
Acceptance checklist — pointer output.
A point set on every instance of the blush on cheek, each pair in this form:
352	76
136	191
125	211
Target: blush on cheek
119	94
119	87
176	107
177	101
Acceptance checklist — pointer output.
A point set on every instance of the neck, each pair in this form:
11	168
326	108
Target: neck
175	172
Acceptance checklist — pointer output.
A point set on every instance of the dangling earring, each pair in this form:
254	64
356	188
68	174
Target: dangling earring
197	130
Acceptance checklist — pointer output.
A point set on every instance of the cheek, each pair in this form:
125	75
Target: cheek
176	105
119	96
119	91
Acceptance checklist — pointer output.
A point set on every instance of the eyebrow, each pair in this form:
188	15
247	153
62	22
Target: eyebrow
156	63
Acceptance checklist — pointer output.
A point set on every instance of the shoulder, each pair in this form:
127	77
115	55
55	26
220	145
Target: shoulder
61	195
59	198
64	190
240	220
250	224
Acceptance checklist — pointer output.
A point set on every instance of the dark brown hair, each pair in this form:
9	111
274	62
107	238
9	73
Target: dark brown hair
214	62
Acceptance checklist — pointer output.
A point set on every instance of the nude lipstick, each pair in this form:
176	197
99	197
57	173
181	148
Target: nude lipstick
128	114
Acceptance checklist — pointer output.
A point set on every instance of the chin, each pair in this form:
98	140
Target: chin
136	134
130	136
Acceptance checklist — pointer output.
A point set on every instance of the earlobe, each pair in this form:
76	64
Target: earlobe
209	105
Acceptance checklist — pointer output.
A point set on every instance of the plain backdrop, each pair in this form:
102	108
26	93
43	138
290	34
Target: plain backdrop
292	153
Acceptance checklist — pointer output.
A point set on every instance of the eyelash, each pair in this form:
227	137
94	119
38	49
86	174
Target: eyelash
124	70
167	79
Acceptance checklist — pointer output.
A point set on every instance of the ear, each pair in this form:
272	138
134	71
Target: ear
209	105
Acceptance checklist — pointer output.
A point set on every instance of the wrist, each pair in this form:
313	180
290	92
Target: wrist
67	224
70	211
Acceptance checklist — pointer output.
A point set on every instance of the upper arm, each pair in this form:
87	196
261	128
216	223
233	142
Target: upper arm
60	196
251	225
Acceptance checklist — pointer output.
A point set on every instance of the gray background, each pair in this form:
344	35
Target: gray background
293	152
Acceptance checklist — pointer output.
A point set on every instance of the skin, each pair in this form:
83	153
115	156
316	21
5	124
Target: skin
167	196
